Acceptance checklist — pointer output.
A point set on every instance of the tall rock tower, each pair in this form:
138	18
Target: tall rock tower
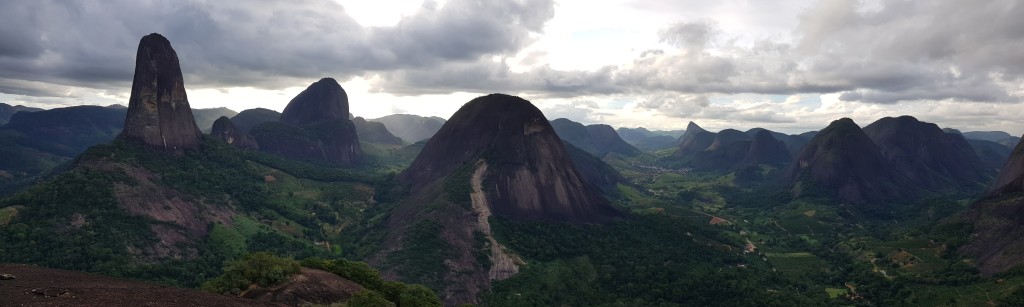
158	111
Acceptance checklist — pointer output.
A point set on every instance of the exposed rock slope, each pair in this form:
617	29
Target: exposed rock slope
1011	177
322	100
497	156
999	220
536	180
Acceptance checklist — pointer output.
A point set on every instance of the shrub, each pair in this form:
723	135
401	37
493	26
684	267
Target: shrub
263	269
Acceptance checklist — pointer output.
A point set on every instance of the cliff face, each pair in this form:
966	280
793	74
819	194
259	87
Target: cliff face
1011	177
930	158
158	111
999	220
497	156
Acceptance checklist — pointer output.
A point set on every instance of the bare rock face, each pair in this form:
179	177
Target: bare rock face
497	156
1011	176
224	130
844	161
929	157
536	180
158	111
322	100
998	220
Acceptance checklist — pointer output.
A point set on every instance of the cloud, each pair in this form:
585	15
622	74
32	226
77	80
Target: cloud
891	57
689	35
264	44
487	76
896	52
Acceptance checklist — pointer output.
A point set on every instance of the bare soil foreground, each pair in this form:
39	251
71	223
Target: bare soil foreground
36	286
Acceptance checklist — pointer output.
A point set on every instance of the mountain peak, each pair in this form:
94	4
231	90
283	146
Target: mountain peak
514	136
843	160
322	100
693	126
931	158
694	140
159	114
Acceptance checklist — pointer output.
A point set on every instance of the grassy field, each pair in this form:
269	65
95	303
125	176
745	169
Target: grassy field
836	292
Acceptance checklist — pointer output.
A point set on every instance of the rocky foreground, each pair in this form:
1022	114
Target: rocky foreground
36	286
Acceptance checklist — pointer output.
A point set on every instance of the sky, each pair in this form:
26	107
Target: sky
789	65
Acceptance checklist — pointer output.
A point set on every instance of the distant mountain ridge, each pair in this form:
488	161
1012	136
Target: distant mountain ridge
411	128
598	140
247	119
730	149
647	140
892	160
994	136
6	111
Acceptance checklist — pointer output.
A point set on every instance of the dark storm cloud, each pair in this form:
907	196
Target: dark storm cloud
265	44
